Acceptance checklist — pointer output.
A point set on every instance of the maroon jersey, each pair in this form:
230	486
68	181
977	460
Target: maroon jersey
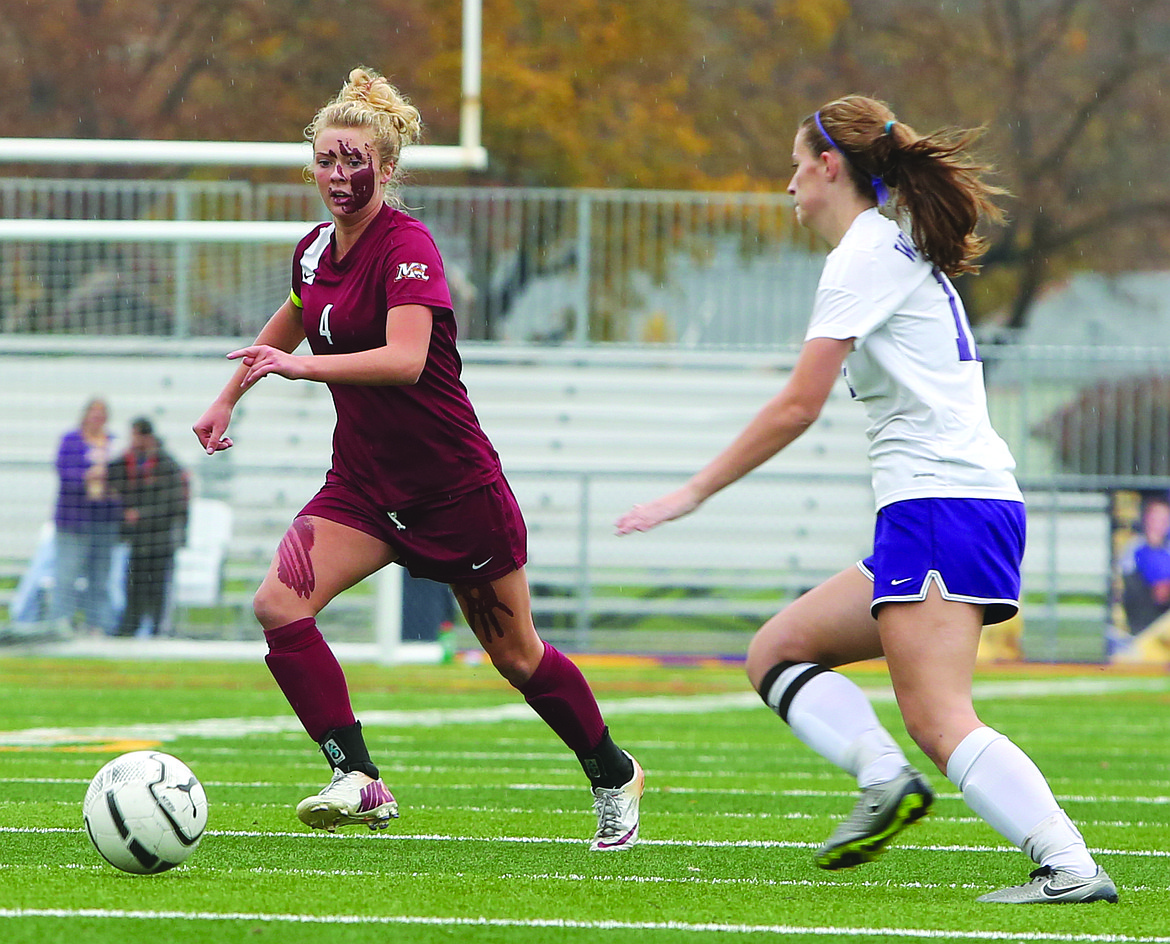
400	445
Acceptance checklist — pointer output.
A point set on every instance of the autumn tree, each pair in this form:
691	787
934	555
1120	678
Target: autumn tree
757	68
1073	96
188	69
579	92
656	94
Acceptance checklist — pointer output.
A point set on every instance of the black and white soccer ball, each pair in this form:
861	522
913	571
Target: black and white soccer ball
145	812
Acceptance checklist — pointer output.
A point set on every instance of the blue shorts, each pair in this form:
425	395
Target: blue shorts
468	539
971	548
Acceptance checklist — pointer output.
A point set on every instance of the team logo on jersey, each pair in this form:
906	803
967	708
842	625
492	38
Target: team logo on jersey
906	247
412	270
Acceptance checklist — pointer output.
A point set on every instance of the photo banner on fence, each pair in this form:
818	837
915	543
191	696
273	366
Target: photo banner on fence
1139	605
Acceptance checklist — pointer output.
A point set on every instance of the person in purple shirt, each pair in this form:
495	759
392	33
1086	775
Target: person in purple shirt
414	480
1146	567
88	521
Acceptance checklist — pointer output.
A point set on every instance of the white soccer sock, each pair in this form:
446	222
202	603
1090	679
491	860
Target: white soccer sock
830	714
1003	785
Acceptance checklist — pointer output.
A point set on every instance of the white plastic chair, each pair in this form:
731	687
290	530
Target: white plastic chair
199	563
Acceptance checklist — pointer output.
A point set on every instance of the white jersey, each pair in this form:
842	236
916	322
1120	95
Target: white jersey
914	365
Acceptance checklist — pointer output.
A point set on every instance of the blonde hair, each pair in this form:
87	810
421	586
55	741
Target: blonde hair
369	102
91	403
933	179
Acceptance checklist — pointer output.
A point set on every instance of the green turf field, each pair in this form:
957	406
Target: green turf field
492	842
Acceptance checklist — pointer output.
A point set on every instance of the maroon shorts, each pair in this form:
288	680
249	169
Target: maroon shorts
468	539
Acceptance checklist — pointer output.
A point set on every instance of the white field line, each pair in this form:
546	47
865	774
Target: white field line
670	705
661	814
564	924
576	788
576	841
690	815
391	875
519	711
731	754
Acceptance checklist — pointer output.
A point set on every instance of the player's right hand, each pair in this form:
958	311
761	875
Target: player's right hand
210	428
667	508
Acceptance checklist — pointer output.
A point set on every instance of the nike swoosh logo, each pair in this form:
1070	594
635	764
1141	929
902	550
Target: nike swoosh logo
894	583
620	842
483	564
1051	891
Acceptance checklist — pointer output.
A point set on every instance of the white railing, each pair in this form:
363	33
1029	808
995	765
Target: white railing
549	266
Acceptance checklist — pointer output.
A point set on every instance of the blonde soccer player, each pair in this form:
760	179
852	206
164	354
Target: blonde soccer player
414	479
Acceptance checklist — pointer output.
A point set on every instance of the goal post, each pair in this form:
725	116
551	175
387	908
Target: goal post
169	232
219	153
183	235
468	154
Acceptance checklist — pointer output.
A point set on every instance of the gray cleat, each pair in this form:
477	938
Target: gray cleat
883	811
1056	886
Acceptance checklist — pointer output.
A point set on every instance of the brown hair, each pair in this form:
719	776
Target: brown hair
368	101
933	179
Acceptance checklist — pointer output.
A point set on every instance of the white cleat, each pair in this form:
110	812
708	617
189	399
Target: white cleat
349	799
617	813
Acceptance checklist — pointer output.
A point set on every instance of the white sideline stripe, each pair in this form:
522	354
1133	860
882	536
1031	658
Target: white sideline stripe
787	929
762	817
371	836
414	874
239	727
519	711
576	788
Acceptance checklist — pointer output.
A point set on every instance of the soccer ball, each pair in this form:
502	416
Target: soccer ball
145	812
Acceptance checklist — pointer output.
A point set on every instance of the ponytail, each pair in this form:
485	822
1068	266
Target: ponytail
933	180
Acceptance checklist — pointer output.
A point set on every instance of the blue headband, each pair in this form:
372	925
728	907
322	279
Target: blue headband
879	186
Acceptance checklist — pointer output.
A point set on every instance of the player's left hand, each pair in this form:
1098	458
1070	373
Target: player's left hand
263	359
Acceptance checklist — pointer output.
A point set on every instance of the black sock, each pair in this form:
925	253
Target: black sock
607	765
345	749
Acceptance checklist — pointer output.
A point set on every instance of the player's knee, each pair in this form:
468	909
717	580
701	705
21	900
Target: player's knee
512	673
928	737
934	731
771	645
271	609
516	665
262	609
516	670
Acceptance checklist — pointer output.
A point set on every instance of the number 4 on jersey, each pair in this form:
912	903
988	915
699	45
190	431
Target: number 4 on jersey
323	327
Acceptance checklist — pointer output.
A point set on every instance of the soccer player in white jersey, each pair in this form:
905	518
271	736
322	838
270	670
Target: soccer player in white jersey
949	535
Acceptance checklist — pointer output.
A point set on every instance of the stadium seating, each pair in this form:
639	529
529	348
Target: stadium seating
582	436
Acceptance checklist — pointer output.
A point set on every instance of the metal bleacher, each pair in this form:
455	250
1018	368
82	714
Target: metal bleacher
582	436
583	442
624	430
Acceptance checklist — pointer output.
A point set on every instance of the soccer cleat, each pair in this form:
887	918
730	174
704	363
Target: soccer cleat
617	813
1056	886
349	799
883	811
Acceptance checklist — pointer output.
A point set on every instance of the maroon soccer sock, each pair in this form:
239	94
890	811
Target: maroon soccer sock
309	675
559	693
